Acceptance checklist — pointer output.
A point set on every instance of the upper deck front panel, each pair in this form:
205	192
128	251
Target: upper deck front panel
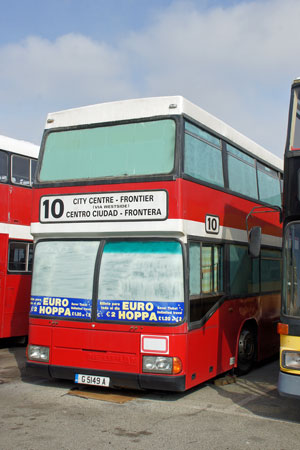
137	109
132	189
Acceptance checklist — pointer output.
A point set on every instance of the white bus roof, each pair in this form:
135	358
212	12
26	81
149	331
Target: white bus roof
20	147
152	107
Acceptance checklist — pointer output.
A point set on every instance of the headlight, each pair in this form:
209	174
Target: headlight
38	353
161	364
290	360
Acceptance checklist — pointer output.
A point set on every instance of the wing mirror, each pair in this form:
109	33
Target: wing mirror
254	240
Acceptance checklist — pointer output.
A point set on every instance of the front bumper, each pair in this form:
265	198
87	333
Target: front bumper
117	379
289	385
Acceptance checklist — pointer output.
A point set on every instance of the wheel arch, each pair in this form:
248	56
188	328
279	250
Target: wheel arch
251	325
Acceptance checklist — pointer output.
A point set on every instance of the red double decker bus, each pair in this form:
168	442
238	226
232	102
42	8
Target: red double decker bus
18	161
142	277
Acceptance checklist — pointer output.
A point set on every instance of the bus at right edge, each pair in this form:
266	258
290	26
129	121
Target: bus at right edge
289	325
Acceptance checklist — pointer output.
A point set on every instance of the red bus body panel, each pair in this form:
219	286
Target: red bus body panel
205	352
198	201
15	209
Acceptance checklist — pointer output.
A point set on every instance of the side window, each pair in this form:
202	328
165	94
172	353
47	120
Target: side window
206	278
241	172
33	164
244	271
3	167
20	256
211	270
203	155
271	270
30	257
268	185
20	170
251	275
195	269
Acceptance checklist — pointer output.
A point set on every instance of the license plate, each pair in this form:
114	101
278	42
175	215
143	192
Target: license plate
92	379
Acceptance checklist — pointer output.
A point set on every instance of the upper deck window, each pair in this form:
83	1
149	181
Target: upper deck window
20	170
132	149
268	185
3	167
241	172
203	155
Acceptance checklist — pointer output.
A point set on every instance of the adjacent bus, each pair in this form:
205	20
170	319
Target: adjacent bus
289	326
18	161
142	277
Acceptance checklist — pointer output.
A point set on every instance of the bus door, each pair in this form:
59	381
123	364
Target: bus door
17	292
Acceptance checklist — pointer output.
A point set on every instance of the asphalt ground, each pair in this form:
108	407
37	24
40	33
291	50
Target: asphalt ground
226	413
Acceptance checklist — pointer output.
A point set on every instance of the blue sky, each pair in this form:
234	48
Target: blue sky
99	19
236	59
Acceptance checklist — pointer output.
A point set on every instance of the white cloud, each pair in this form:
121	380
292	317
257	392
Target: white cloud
38	76
71	68
237	62
245	37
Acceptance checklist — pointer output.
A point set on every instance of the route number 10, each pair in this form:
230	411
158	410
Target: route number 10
53	209
212	224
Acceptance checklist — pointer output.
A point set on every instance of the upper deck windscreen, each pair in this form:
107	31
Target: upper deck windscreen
294	143
123	150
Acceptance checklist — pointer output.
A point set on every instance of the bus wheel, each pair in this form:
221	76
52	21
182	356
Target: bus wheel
247	351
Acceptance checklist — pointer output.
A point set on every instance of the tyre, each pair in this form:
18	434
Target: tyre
247	348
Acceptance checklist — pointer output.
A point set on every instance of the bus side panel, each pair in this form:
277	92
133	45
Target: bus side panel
16	305
212	348
3	276
268	338
20	196
202	349
4	193
200	201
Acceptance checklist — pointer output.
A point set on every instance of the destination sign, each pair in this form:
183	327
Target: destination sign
105	207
